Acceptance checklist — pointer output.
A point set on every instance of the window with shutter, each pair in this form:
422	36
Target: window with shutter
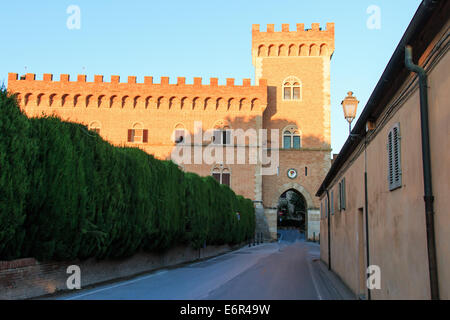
216	137
394	161
137	135
340	197
390	161
222	137
344	196
226	137
332	202
145	136
222	133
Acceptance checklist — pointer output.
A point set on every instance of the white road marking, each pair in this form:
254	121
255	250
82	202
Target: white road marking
117	285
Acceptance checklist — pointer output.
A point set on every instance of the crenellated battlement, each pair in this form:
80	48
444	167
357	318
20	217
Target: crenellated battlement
131	94
181	81
314	41
300	27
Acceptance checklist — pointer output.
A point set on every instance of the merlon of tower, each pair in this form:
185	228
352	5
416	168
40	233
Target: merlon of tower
301	42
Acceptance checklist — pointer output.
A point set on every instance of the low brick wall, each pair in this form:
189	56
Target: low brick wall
29	278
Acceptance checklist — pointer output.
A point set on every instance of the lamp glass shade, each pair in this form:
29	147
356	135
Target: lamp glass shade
350	105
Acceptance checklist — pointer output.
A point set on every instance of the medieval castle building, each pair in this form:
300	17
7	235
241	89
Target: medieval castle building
291	97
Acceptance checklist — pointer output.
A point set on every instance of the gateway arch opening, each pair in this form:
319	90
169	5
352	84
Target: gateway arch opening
291	211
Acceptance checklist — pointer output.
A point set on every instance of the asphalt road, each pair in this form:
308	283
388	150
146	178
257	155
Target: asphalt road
268	271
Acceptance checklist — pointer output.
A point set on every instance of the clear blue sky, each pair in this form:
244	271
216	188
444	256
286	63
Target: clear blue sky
195	38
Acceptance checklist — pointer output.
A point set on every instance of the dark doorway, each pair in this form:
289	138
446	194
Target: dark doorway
291	211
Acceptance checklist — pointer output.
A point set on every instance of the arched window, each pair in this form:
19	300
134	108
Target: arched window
226	176
95	126
179	133
292	89
222	175
291	138
222	133
138	134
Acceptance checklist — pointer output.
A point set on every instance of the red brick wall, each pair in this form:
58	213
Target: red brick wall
116	107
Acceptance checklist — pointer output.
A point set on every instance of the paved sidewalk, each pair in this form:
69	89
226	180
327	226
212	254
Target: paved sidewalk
329	284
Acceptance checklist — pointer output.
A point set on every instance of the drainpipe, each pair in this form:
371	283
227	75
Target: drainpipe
366	205
426	161
329	231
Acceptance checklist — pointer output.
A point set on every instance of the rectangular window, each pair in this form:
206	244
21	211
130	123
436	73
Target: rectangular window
226	179
138	135
296	93
217	137
342	200
216	176
287	142
332	202
339	197
226	137
222	137
296	142
130	135
287	93
394	163
145	136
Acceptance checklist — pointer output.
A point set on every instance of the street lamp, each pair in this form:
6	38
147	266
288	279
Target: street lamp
350	104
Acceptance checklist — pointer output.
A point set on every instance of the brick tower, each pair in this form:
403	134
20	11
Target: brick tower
296	65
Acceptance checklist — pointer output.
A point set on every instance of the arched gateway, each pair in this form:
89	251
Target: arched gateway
294	205
292	211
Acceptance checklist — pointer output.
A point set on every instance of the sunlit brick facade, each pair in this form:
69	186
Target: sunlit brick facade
291	94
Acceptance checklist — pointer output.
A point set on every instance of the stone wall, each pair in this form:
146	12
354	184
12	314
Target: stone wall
29	278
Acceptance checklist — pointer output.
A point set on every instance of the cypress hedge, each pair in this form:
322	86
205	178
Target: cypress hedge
66	193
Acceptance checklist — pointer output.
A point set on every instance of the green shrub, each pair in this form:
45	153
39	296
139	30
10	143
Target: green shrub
66	193
16	150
